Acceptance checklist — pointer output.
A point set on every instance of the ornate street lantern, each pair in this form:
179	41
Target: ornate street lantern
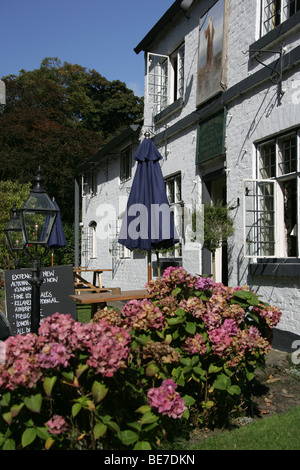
38	215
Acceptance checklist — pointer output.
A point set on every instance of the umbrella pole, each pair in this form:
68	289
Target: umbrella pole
149	266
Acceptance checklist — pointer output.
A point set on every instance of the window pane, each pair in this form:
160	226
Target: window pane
289	189
287	155
259	219
125	172
158	81
272	14
267	160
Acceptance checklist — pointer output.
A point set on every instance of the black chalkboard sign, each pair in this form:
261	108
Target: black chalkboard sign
55	290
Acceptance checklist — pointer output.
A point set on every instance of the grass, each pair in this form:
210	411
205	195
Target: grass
278	432
83	313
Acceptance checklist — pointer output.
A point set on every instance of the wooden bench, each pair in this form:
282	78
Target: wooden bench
102	298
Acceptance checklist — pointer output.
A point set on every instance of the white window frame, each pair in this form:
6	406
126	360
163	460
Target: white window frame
177	73
165	78
115	248
176	205
158	80
92	240
280	177
255	245
274	12
89	183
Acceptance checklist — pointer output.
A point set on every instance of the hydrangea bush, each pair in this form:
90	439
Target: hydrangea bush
126	378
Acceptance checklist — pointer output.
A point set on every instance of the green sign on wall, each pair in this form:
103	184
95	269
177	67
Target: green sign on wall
211	138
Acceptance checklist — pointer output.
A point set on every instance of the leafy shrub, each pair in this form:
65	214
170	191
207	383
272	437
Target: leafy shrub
128	379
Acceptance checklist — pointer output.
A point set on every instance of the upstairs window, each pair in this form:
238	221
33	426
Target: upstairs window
125	170
165	78
271	202
274	12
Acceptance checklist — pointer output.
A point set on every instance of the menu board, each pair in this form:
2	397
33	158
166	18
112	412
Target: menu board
54	295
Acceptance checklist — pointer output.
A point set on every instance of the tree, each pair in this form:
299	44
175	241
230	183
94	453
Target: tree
10	193
57	116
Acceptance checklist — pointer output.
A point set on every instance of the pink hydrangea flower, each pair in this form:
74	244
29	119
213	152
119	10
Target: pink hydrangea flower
195	345
142	314
57	425
203	283
167	400
54	355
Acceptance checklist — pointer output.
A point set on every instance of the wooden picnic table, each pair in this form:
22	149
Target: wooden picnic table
103	297
80	283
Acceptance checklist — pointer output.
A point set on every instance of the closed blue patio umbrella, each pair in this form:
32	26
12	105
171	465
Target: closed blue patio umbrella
148	221
57	237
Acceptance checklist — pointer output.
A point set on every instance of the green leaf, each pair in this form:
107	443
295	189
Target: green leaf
188	400
190	328
175	320
75	409
34	402
222	382
99	391
213	369
176	291
128	437
15	409
9	445
28	437
48	385
7	417
143	409
234	390
5	400
42	433
195	360
148	418
186	361
99	430
80	369
113	426
199	371
142	445
68	375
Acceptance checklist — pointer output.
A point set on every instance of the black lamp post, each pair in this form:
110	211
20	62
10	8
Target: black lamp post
37	216
14	236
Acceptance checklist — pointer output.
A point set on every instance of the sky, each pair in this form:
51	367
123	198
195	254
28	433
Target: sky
95	34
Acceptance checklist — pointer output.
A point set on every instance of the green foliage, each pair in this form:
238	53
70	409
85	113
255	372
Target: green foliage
58	116
218	225
11	192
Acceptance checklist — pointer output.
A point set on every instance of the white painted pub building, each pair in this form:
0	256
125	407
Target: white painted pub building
222	105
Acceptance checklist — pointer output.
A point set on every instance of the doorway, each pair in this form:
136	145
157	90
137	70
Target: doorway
214	191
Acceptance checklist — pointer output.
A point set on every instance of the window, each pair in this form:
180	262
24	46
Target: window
89	183
165	78
115	248
125	170
92	240
271	201
275	12
173	187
